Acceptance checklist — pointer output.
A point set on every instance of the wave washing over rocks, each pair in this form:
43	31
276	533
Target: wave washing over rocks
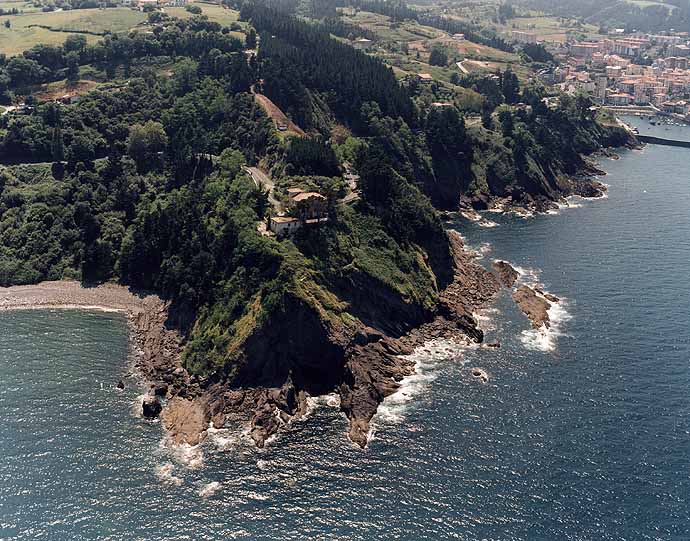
428	360
545	311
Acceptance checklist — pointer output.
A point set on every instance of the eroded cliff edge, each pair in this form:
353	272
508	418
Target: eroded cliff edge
307	348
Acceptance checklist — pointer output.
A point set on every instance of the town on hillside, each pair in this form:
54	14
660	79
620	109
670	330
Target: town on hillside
648	70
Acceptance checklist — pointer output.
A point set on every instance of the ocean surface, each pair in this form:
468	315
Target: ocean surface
580	433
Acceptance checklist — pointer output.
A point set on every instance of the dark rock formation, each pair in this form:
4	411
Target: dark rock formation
588	188
480	374
151	407
506	273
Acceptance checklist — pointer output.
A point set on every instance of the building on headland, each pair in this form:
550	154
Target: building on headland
310	206
284	226
306	209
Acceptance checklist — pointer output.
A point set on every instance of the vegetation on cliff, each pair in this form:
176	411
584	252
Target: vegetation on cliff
143	181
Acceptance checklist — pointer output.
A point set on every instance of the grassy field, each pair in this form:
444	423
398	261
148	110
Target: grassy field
20	36
382	27
214	12
548	28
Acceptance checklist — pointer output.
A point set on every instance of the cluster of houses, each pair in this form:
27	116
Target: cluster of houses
306	208
607	70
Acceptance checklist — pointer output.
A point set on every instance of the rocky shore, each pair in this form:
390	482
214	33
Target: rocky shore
374	363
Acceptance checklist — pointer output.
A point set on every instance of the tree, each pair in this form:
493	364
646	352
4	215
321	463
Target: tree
231	162
507	124
438	56
510	86
81	150
487	121
57	145
145	142
184	77
23	71
74	43
250	42
72	67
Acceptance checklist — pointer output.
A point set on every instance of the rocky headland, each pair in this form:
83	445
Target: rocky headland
373	362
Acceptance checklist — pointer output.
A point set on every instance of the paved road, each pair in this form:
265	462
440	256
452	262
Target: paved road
262	180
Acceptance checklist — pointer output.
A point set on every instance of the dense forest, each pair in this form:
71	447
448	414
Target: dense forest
142	181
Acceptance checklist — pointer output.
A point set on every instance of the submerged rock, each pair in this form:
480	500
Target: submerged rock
480	374
120	385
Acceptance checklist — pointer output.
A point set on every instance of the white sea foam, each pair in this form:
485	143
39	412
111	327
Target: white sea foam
527	276
209	489
498	208
471	215
189	456
483	250
486	318
135	409
428	359
331	400
164	472
226	440
487	223
546	338
522	213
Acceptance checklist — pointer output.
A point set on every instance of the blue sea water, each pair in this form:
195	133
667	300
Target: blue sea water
582	433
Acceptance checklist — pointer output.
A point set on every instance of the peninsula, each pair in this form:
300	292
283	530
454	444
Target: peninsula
273	186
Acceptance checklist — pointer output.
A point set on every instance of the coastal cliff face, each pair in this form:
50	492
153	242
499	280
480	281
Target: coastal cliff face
528	163
312	344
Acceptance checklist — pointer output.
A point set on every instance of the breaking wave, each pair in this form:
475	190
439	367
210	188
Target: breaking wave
188	456
209	489
428	360
546	338
164	472
487	223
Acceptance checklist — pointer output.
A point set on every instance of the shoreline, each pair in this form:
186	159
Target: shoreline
155	347
191	406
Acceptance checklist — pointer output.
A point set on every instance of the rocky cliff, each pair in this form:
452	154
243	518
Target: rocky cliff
316	343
